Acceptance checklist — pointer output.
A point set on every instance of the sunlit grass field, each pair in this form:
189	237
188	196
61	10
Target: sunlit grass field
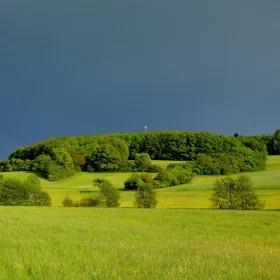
193	195
128	243
95	243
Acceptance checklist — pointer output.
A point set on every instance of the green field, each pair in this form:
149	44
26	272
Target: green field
128	243
194	195
63	243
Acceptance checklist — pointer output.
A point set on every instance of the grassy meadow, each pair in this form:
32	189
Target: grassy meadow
194	195
75	243
128	243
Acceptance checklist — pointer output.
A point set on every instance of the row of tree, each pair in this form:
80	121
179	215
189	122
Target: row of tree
229	193
58	158
108	196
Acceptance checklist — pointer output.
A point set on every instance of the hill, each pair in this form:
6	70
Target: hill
60	158
193	195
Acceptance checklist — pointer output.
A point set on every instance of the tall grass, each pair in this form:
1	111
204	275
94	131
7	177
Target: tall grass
59	243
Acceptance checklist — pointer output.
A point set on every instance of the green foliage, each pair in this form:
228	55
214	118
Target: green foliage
133	182
59	158
222	164
13	192
142	161
78	159
231	193
68	202
91	201
153	168
39	199
33	184
145	196
29	192
110	195
276	142
109	157
173	175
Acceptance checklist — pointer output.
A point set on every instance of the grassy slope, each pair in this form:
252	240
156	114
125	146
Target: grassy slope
59	243
194	195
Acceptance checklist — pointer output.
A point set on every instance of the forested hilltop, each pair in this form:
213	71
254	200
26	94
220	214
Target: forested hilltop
207	153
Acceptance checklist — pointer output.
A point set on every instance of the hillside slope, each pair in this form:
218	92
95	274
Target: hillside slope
193	195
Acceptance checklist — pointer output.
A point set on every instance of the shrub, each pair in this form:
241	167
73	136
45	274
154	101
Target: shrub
110	195
90	201
147	178
153	168
133	182
13	192
106	158
67	202
231	193
142	162
33	184
220	164
52	170
145	196
172	176
78	159
29	192
40	199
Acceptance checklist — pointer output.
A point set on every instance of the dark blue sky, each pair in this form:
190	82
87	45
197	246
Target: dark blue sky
81	67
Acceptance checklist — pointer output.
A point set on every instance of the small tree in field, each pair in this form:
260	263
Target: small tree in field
145	196
111	195
142	162
231	193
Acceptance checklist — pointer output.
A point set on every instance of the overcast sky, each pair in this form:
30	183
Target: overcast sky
82	67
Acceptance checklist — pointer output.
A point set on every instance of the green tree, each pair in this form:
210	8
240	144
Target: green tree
145	196
110	195
276	142
235	193
105	158
133	182
142	162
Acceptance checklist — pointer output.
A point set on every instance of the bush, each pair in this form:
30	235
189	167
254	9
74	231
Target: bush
78	159
173	175
135	180
29	192
106	157
13	192
133	183
220	164
67	202
40	199
145	196
110	195
142	162
90	201
33	184
147	178
52	170
231	193
153	168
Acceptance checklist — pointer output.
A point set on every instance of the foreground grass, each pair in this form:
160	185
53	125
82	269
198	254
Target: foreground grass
59	243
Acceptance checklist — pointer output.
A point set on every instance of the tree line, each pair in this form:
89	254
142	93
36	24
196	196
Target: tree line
61	157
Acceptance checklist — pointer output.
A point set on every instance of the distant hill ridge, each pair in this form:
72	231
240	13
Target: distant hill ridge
59	157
